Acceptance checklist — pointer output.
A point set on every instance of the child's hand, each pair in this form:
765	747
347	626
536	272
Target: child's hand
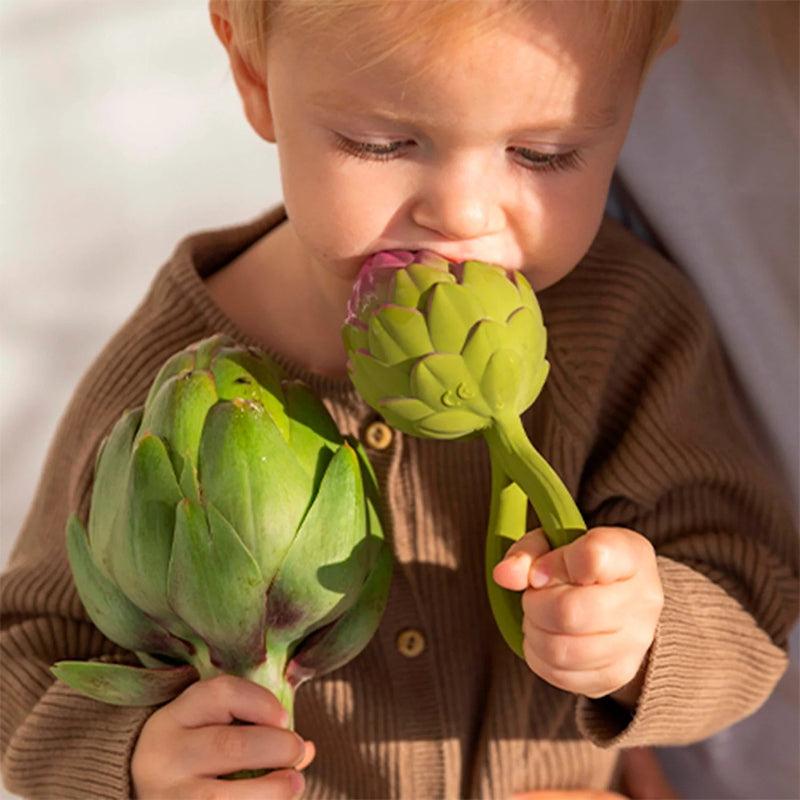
188	743
590	609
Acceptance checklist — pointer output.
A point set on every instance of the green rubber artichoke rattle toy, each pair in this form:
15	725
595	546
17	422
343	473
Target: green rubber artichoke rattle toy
449	350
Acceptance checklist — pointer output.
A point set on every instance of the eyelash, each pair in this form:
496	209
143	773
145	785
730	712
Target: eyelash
371	151
530	159
549	162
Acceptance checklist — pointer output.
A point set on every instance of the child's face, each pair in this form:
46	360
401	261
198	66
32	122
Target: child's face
501	151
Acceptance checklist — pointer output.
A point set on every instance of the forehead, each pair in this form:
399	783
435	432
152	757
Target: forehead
396	51
499	78
377	28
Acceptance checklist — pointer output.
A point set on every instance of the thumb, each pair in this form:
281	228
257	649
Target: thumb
513	571
601	555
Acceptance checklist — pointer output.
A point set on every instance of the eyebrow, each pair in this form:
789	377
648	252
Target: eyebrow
595	119
605	117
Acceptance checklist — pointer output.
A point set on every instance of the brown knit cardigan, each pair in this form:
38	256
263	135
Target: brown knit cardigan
637	417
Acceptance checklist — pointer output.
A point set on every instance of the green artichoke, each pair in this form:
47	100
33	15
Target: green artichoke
449	350
232	529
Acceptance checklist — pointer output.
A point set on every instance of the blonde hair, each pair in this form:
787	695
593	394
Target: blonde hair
633	28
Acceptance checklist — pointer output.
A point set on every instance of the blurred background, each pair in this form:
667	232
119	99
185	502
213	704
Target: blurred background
120	133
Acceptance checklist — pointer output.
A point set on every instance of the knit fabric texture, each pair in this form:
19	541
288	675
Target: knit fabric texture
639	419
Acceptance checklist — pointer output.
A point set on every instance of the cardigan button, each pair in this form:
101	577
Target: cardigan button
378	435
410	643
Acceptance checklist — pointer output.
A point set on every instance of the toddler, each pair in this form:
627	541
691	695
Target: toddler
485	130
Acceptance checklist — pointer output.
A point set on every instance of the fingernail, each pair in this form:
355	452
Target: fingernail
284	720
537	577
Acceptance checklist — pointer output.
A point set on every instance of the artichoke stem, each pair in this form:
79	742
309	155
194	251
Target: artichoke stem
271	674
510	447
201	661
507	517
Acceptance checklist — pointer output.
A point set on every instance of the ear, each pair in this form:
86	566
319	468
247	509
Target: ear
250	82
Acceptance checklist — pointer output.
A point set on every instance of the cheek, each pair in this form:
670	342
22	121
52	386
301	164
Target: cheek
568	220
339	209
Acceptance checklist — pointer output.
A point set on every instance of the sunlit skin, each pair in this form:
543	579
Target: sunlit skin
502	149
500	146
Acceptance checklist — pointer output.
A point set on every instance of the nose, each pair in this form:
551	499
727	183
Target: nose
458	201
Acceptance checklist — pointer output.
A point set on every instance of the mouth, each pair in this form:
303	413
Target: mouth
403	257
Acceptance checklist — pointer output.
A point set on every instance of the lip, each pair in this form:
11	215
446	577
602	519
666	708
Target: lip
457	257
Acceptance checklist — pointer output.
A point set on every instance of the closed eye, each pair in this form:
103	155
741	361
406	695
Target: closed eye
547	162
372	151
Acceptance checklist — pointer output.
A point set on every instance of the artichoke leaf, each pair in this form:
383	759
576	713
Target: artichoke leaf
327	562
216	587
178	364
189	483
142	538
376	537
397	334
110	610
500	384
111	476
527	295
452	311
424	277
122	685
408	328
528	333
355	336
374	380
312	432
498	295
443	382
453	424
485	338
403	291
334	645
207	350
263	369
177	413
403	412
235	381
249	472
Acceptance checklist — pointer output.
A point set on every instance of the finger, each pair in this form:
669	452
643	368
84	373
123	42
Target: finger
216	750
512	572
601	555
280	785
220	700
578	610
589	682
308	757
568	652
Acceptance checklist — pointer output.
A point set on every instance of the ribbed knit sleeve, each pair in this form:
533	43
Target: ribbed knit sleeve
637	417
57	744
659	446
